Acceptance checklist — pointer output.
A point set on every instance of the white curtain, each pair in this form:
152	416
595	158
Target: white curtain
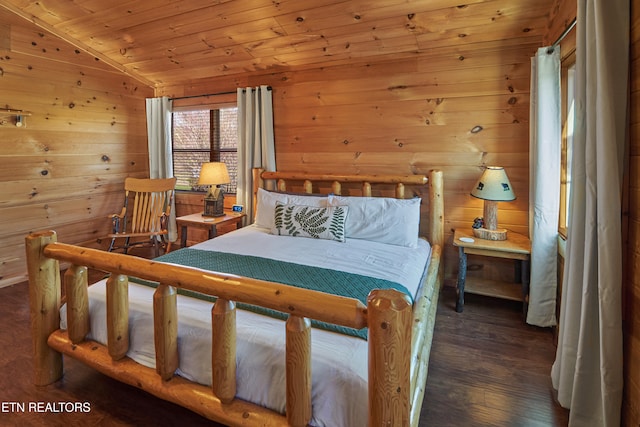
587	372
159	140
544	192
256	147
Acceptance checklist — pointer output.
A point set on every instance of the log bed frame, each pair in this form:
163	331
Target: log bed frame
399	334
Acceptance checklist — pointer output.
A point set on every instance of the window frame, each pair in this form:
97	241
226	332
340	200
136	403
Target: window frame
567	74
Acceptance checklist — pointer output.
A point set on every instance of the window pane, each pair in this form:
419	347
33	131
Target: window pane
568	94
186	167
231	160
191	130
229	128
569	133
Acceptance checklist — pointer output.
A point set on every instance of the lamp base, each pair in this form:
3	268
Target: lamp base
486	234
214	203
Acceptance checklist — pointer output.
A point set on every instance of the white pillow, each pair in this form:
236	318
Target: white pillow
381	219
266	205
310	221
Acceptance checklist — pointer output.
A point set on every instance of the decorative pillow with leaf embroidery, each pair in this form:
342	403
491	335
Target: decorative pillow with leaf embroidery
310	221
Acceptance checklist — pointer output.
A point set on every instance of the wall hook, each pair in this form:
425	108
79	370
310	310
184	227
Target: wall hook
20	116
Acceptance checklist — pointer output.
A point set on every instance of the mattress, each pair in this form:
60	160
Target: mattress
338	362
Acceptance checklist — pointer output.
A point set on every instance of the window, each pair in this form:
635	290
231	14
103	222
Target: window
567	83
201	136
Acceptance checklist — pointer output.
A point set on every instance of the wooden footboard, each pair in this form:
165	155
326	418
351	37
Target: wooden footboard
399	333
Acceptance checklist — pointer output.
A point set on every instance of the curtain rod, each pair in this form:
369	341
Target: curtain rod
562	36
211	94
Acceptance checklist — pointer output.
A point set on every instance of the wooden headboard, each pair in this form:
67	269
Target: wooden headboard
310	183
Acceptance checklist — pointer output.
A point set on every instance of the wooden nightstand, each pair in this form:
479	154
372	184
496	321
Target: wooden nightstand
516	247
207	223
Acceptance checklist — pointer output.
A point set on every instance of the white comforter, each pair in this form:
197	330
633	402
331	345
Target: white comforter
339	362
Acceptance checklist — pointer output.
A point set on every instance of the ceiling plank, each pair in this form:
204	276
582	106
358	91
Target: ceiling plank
162	43
80	45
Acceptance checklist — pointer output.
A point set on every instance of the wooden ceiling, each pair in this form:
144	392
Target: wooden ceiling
163	42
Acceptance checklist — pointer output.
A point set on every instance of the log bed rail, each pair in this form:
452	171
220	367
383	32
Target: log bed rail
398	348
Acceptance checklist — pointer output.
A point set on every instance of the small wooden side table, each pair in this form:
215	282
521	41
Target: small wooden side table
205	222
516	247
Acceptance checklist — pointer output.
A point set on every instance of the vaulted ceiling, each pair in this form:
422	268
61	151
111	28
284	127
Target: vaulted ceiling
164	42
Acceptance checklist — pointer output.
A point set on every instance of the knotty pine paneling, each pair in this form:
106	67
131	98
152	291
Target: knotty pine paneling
453	108
631	284
562	13
65	169
19	193
171	45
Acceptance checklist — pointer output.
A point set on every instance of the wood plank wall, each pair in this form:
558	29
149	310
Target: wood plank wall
456	109
65	169
631	290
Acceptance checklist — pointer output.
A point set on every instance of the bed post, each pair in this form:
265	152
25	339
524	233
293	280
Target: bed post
223	349
77	293
118	315
298	350
44	305
436	208
165	330
390	318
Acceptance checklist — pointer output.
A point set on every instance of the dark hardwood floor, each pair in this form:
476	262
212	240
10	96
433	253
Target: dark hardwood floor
487	368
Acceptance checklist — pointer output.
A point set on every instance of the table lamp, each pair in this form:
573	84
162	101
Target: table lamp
214	174
493	187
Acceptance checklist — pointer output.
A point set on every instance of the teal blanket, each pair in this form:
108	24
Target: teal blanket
302	276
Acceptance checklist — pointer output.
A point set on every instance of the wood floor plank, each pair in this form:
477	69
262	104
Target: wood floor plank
489	368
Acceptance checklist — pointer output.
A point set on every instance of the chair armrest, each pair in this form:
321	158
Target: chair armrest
116	220
120	215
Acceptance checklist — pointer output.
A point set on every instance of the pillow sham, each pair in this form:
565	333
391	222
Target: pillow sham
266	205
381	219
309	221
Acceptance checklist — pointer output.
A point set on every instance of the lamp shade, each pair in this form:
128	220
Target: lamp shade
494	185
213	173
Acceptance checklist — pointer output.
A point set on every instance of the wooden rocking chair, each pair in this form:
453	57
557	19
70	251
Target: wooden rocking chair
146	210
